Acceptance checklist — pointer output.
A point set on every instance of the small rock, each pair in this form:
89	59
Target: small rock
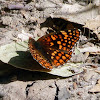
15	6
63	94
6	20
96	88
74	85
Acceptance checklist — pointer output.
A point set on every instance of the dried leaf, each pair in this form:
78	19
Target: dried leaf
16	54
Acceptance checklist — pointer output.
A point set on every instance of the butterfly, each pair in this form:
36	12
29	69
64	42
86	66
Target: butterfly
54	49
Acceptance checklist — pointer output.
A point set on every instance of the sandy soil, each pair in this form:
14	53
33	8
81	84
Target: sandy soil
18	16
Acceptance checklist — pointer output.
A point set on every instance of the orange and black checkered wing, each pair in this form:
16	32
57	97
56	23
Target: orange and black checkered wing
39	54
63	40
58	45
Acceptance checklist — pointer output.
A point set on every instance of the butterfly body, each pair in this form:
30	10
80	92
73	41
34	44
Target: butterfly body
54	49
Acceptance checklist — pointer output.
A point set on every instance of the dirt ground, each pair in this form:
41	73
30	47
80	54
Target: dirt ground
28	16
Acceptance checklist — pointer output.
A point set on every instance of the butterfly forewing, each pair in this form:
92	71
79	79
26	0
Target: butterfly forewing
63	40
59	58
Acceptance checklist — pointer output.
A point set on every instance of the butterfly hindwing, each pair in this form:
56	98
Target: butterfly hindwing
38	56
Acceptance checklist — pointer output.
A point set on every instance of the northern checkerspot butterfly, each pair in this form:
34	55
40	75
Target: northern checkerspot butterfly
54	49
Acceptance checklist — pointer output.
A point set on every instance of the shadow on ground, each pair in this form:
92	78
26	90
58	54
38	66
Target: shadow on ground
9	74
